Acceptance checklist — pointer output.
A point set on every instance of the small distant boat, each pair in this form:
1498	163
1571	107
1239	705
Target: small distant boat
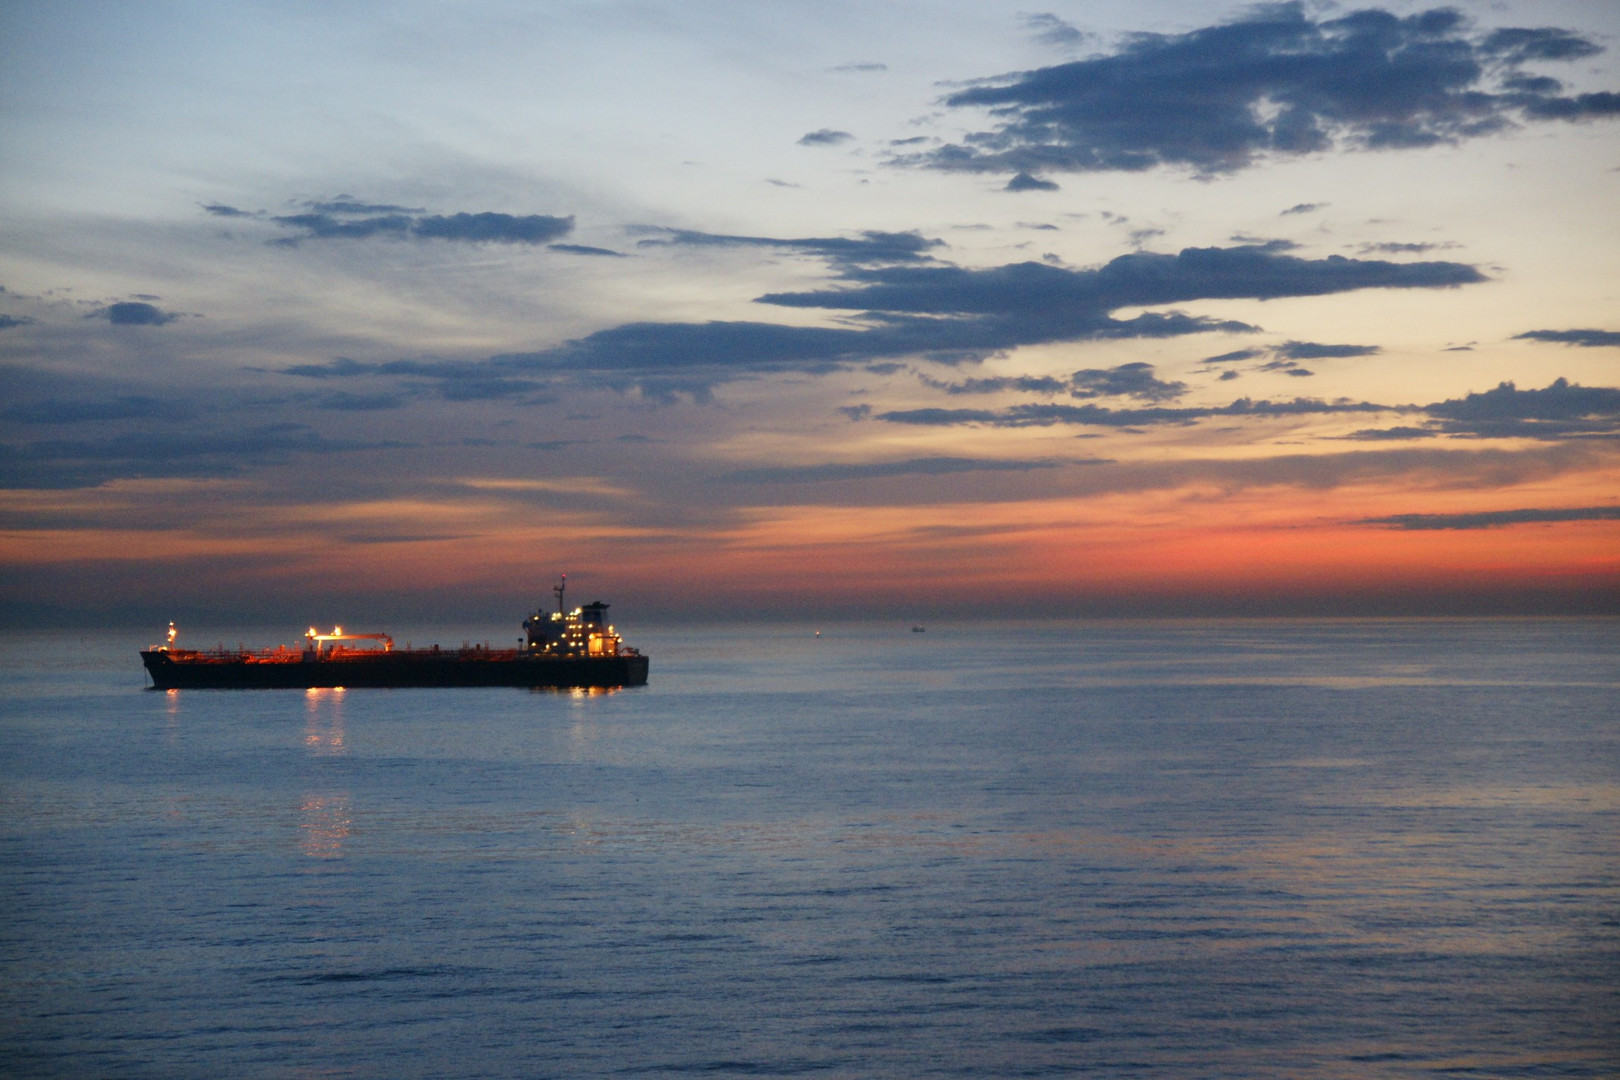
919	629
563	649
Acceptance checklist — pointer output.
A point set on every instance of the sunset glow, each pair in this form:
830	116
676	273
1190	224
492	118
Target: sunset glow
900	312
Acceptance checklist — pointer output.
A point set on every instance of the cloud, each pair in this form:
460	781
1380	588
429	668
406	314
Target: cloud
1560	410
62	463
1310	350
9	321
1302	208
1138	279
221	210
1134	379
872	246
1234	356
581	249
1127	380
348	204
1048	29
1032	384
930	466
1025	182
134	313
1276	82
1590	339
1020	416
866	68
1400	249
341	368
1392	434
78	411
493	228
1495	519
347	219
912	307
342	401
825	137
329	227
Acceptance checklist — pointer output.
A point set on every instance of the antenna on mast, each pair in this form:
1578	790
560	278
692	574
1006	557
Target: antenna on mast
559	589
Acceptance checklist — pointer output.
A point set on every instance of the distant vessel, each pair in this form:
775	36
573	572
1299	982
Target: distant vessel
919	629
577	648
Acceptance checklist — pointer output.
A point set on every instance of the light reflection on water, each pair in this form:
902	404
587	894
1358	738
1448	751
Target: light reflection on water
1250	849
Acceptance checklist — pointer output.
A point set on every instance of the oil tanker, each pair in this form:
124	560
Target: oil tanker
570	649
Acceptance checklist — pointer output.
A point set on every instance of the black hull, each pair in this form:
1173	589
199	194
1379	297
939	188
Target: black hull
391	670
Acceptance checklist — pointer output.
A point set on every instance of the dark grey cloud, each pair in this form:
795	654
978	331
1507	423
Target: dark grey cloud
1235	356
1018	416
1311	350
1138	279
1558	411
825	137
348	204
1127	380
871	246
493	228
1025	182
94	410
221	210
134	313
1134	379
1590	339
1518	45
929	466
343	401
865	68
582	249
1302	208
911	307
1032	384
1392	434
340	368
319	226
9	321
1275	82
1285	357
345	218
1496	519
64	463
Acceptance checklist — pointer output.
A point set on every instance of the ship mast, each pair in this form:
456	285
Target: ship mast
559	589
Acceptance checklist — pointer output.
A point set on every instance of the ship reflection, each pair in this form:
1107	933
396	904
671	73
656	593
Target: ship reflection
323	825
323	720
171	717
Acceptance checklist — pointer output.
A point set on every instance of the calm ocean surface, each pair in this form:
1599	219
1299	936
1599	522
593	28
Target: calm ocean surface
1182	849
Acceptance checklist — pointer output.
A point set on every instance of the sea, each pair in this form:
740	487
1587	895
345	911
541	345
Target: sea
1257	848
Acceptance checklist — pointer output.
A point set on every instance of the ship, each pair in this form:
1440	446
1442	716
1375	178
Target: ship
564	649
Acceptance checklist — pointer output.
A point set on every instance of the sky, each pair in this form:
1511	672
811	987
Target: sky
372	312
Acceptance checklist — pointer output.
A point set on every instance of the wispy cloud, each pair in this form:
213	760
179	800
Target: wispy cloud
1496	519
345	218
930	466
1590	339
